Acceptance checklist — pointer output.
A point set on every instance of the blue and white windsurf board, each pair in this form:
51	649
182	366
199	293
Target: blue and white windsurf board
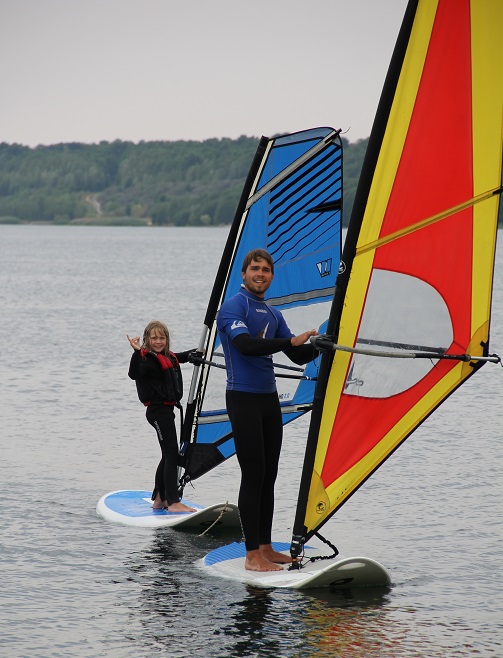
133	507
228	562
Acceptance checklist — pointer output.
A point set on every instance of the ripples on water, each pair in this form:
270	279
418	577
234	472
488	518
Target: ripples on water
72	429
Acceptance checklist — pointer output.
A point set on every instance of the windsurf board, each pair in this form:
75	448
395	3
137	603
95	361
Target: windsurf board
134	507
338	573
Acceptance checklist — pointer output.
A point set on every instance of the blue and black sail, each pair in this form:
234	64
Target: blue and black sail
291	206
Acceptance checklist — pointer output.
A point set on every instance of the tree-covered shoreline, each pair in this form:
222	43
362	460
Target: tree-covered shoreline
181	183
161	183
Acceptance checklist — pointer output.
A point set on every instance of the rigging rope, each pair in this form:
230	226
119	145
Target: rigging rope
298	564
225	509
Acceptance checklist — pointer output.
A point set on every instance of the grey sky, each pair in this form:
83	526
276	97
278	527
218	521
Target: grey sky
92	70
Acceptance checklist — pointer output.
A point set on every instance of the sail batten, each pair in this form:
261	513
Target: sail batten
419	254
287	171
484	196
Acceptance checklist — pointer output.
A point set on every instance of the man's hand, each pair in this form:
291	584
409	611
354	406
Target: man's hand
303	338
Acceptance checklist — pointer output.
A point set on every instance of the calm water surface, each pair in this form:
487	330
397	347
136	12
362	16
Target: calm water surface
73	429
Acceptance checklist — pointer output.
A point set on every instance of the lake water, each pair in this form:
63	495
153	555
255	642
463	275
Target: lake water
73	429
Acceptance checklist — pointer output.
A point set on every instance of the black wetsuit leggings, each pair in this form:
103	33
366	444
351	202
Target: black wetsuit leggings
258	432
162	419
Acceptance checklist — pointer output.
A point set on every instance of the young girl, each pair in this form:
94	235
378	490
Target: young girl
158	378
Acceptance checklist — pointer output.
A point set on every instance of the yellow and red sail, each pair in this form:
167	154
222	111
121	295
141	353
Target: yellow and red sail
419	254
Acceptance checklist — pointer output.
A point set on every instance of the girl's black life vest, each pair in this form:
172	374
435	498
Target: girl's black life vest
158	378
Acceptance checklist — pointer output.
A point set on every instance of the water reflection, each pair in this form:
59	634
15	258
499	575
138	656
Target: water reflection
316	623
182	609
348	623
363	597
254	625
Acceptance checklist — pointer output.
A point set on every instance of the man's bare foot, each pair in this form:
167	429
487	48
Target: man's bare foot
268	552
179	507
255	561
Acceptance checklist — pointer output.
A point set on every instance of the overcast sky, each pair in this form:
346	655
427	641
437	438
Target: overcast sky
92	70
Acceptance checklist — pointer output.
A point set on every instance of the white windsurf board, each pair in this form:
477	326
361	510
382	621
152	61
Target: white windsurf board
134	507
228	562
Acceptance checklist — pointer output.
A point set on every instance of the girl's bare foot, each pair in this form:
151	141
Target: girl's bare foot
268	552
158	503
179	507
255	561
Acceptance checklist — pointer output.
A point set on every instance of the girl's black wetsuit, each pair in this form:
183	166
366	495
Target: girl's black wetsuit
159	384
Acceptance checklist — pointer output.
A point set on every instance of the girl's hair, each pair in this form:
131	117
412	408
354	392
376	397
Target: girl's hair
149	329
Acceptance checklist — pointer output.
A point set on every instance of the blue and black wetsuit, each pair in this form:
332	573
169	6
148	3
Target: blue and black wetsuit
250	332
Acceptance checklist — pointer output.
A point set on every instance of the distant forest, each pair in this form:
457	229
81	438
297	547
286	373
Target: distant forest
181	183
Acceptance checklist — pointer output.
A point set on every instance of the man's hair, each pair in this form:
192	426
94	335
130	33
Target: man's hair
257	254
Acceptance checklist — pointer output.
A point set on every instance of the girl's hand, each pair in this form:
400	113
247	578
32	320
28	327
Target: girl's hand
134	342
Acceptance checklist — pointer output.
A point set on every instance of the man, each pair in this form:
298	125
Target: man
250	332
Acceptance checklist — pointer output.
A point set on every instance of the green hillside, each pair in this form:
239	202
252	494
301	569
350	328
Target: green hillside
182	183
